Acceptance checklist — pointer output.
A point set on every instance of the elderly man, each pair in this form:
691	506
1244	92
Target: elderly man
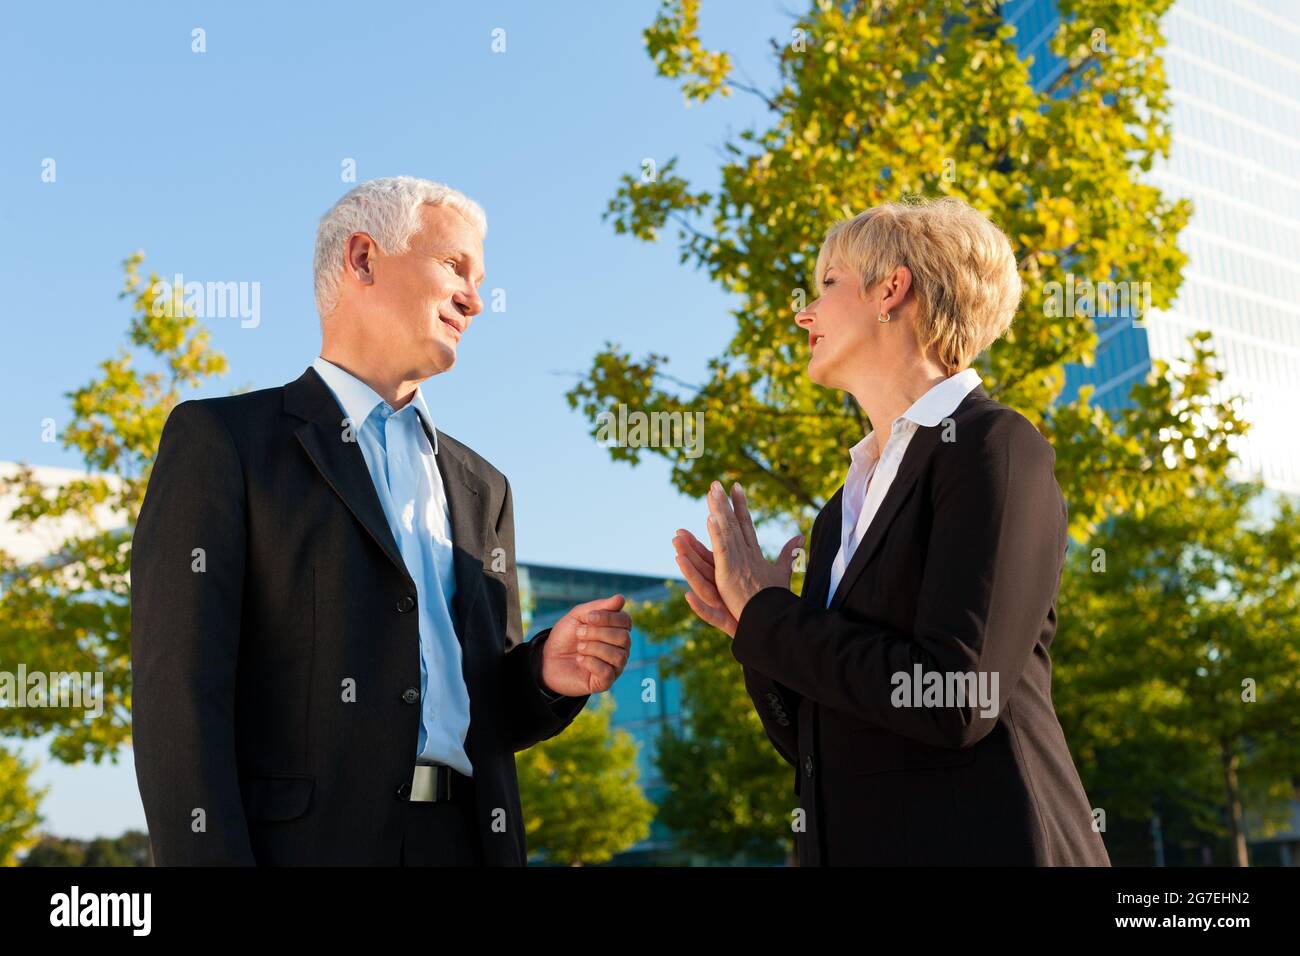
329	665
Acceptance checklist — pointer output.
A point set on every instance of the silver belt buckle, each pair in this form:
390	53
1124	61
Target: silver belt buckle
424	783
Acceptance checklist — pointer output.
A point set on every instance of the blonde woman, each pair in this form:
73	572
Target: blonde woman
910	684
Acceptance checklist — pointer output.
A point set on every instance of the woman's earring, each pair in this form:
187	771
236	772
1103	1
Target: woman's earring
882	317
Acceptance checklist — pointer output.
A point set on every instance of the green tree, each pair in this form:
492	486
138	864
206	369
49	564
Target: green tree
579	791
1179	662
129	849
71	612
880	101
724	789
56	851
19	806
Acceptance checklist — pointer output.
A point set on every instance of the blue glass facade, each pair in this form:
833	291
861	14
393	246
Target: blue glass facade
1233	68
644	702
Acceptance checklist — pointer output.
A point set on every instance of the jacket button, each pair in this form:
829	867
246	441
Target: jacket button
808	766
403	791
410	695
405	603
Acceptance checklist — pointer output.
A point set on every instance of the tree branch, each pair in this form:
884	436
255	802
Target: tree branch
802	496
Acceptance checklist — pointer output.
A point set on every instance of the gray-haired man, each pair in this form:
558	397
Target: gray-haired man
345	681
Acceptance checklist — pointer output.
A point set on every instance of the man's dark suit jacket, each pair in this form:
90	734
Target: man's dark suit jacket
241	669
958	571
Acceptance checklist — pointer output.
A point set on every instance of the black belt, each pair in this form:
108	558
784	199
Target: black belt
438	783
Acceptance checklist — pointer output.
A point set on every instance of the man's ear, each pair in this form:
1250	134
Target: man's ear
360	256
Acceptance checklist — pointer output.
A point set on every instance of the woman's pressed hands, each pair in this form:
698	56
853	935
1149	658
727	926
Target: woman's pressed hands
723	580
696	564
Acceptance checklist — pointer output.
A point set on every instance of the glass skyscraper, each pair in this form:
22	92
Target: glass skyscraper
1233	68
550	592
547	593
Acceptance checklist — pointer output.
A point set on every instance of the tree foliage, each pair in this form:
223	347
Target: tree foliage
19	807
582	803
1178	663
70	612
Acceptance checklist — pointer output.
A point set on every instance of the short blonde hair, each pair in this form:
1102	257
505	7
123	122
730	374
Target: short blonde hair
964	273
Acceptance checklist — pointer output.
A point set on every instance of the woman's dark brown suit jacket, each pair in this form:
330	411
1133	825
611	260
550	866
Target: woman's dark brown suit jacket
958	573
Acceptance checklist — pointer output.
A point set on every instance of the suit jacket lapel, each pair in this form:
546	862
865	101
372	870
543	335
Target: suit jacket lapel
919	450
339	462
343	467
467	497
824	546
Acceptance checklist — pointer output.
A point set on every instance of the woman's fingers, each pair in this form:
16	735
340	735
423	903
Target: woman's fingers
785	560
692	560
715	538
746	523
696	564
721	523
711	615
696	545
700	581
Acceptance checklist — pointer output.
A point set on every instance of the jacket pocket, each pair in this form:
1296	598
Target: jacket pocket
875	750
935	757
279	796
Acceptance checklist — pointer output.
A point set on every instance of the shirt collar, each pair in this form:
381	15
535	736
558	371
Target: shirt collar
358	400
942	400
928	410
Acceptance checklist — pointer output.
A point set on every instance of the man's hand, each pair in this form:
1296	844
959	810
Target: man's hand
588	648
721	586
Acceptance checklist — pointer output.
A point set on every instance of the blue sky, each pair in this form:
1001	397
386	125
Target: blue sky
218	165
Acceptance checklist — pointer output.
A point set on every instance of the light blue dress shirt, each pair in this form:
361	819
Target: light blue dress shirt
405	473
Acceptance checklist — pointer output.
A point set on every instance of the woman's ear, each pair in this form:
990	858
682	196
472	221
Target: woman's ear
896	286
